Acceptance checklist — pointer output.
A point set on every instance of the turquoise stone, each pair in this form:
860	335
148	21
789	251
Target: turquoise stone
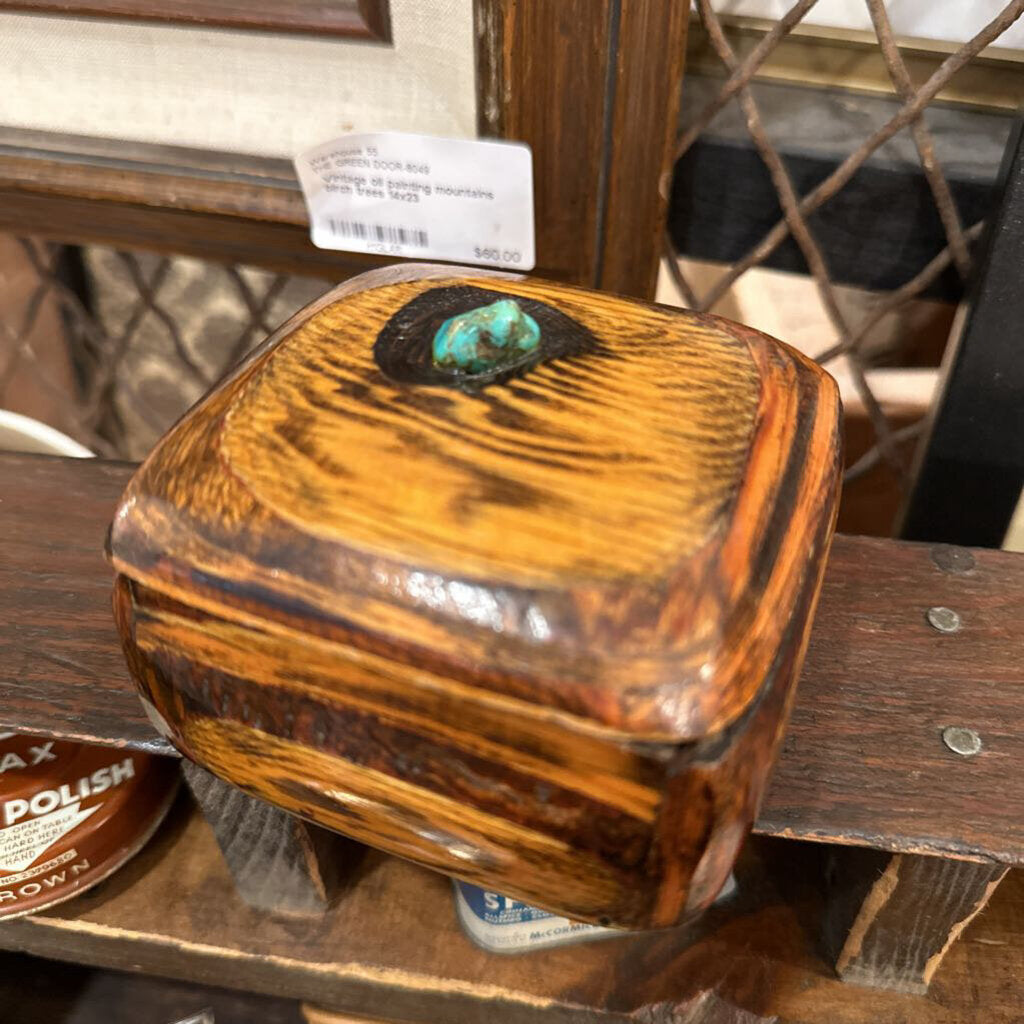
485	338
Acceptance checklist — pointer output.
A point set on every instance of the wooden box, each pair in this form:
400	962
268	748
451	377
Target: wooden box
534	621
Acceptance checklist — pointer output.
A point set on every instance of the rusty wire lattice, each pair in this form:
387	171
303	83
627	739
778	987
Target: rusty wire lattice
796	209
114	351
158	331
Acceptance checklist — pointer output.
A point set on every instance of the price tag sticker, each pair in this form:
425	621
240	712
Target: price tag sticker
422	197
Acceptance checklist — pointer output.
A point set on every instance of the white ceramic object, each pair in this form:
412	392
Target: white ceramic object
23	434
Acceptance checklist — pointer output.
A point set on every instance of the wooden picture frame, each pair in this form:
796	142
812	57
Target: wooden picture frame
357	19
591	85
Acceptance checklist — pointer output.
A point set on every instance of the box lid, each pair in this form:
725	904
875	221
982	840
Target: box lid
592	508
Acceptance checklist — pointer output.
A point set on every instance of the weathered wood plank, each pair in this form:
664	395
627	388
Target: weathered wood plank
863	761
392	948
705	1008
278	861
892	919
62	670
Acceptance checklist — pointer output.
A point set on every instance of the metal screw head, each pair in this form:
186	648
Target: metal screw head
952	559
965	742
945	620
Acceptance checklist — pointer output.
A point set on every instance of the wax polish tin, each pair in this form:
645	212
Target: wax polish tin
71	814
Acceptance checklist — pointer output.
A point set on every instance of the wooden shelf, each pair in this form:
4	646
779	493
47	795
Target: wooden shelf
392	948
863	761
87	995
863	764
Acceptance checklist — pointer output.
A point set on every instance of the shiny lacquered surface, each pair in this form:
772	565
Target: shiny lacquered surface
536	626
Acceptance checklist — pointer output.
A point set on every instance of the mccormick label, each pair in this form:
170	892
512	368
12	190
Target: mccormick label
70	814
501	924
504	925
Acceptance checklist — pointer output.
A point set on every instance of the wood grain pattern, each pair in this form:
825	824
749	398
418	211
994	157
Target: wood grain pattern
877	679
358	19
870	742
636	450
338	517
907	913
61	662
643	123
392	946
548	627
599	111
279	863
220	237
542	79
172	199
705	1008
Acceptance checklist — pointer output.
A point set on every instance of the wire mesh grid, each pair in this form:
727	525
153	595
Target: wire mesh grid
114	350
144	335
890	441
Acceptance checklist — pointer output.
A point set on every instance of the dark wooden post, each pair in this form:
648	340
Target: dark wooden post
593	86
279	862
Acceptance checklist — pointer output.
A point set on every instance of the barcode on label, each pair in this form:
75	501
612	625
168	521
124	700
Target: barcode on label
378	232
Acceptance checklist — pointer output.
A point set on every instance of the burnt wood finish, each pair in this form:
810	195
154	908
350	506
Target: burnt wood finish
877	679
279	863
359	19
392	947
894	918
548	626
